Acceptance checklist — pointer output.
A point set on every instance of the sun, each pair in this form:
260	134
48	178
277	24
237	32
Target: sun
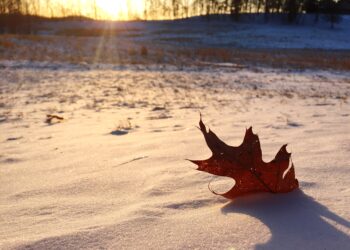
112	9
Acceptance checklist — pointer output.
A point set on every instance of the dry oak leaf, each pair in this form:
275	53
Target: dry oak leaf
245	165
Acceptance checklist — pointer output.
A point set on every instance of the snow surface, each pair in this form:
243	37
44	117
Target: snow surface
113	174
221	32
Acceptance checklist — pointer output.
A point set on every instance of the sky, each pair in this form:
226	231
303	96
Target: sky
105	9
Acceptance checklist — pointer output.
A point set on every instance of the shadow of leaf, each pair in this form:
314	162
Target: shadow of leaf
296	221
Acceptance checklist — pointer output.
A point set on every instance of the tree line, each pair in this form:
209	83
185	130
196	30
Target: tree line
19	15
291	8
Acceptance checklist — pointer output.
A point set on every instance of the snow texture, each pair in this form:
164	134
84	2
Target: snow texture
113	174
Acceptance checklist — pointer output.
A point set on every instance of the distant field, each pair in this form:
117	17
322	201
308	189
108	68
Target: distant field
184	43
97	120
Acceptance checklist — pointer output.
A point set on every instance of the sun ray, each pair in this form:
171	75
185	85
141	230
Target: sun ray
112	9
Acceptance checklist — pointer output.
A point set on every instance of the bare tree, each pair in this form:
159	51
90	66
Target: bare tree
95	9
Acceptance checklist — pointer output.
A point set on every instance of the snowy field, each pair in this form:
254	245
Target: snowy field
184	43
113	173
220	32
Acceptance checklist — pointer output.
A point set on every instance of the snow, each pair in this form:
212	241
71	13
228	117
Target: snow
76	185
251	32
113	174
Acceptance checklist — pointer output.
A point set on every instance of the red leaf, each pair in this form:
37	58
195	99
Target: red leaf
245	165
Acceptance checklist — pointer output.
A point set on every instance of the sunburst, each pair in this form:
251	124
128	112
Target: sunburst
112	9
